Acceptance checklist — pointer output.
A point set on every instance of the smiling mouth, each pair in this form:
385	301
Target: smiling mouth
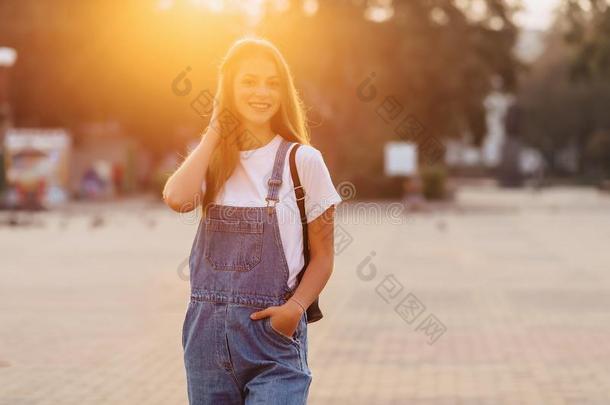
261	107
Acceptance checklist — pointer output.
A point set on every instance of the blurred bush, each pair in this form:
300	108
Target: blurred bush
159	178
598	151
434	182
377	186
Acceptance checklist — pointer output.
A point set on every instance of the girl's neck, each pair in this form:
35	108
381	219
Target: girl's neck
253	137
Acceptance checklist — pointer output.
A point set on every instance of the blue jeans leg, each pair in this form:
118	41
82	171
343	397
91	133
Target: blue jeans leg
273	366
210	380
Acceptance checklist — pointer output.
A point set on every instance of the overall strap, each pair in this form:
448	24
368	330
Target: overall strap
275	180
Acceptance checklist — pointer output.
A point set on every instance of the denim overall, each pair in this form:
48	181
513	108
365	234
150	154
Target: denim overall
237	267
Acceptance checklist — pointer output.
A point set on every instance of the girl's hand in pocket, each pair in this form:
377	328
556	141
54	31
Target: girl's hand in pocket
284	319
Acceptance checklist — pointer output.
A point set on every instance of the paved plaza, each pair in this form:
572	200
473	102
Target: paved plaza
500	298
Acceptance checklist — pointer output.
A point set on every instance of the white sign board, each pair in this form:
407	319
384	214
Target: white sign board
400	159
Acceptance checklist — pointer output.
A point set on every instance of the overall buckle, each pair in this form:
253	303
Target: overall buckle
269	207
274	181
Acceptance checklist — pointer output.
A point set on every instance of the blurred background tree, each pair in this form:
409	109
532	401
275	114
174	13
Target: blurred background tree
102	60
567	92
587	29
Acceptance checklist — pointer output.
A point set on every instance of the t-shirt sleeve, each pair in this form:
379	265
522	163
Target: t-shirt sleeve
320	193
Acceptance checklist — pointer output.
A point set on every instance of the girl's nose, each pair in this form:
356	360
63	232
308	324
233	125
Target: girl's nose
262	91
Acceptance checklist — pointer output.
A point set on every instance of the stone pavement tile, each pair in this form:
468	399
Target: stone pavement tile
93	319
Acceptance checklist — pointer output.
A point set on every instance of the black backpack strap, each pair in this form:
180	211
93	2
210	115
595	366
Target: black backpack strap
313	311
299	193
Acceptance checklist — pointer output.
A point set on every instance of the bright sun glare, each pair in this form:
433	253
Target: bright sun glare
536	14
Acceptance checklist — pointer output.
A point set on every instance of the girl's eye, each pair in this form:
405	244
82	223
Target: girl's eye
248	82
274	83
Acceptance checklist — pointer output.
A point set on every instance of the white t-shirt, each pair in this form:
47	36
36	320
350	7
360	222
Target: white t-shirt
247	187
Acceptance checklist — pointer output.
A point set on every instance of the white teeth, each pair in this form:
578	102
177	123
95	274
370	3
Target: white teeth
261	106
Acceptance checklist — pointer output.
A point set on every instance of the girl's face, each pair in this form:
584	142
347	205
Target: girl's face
257	90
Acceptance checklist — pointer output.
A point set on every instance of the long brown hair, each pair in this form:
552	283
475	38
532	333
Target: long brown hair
289	121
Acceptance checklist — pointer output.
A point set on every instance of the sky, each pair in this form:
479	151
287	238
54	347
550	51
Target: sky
538	14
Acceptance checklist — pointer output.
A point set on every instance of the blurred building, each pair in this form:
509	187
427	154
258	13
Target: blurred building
37	166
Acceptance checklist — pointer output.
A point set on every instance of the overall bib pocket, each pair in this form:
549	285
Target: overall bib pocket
233	245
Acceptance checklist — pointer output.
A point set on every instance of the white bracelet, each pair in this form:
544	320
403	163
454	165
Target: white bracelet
301	305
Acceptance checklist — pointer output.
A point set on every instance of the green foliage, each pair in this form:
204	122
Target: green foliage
598	149
95	60
588	31
564	113
130	174
434	182
158	180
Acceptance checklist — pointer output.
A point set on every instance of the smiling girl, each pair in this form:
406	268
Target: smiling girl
245	329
